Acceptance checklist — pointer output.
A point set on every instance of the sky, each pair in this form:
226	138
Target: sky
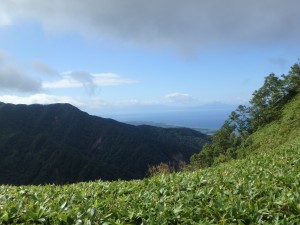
109	57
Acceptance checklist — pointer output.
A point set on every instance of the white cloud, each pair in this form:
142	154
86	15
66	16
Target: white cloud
65	82
111	79
90	81
14	77
179	98
5	19
93	104
39	99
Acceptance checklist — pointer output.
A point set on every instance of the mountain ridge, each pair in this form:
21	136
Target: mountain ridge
58	143
261	188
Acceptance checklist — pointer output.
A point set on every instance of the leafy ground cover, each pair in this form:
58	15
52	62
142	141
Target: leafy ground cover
278	132
260	189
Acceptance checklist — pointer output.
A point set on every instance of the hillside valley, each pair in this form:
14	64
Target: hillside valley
141	112
261	188
60	144
248	173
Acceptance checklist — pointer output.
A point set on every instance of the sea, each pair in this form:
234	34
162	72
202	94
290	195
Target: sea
203	119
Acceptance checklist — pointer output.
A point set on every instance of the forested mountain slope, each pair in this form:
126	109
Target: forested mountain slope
262	188
252	177
61	144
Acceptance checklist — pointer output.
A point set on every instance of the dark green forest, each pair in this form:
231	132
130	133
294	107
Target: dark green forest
60	144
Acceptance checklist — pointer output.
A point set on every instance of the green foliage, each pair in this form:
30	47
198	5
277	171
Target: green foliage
261	189
267	102
276	133
266	106
60	144
293	80
224	145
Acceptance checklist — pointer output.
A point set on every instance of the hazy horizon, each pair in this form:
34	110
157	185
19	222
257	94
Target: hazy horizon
210	116
198	119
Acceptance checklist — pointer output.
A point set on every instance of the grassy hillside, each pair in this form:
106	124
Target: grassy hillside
262	188
270	119
278	132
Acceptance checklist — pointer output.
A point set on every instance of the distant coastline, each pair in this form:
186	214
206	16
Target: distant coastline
205	120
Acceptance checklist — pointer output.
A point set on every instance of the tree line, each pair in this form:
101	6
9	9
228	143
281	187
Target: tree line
264	107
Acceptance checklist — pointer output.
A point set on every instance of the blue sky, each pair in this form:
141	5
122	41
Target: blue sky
111	57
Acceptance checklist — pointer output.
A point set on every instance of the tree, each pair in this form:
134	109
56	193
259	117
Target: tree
224	143
240	117
265	107
266	101
292	80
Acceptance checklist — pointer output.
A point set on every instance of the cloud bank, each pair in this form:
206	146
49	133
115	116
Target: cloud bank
185	25
39	99
12	79
89	81
36	83
180	98
43	68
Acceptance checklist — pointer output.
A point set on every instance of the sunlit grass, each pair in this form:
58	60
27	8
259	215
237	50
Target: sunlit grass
261	188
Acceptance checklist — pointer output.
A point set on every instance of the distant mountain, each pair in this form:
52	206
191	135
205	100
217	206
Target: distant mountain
150	123
60	144
163	125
